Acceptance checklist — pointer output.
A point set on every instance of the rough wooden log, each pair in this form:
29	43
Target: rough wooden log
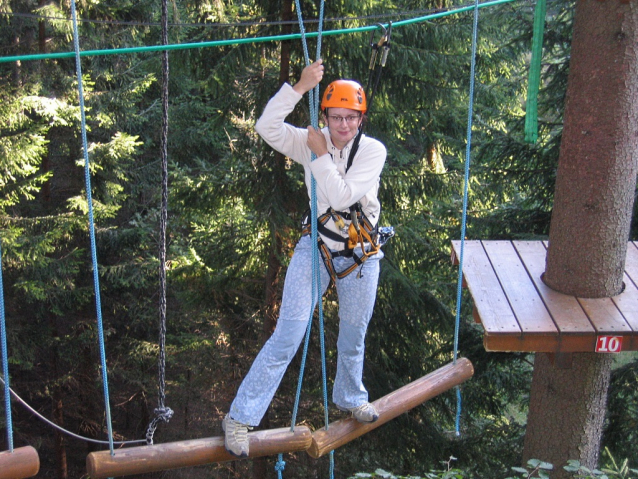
160	457
22	462
392	405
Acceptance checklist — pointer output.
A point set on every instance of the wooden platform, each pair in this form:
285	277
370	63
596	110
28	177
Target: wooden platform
520	313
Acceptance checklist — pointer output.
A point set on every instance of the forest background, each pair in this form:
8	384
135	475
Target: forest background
234	210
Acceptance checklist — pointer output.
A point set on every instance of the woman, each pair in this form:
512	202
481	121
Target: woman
338	188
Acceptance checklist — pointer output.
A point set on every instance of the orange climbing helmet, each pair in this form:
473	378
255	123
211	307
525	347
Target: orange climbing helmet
344	94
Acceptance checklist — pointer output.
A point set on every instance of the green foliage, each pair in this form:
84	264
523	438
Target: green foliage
233	212
23	144
447	473
534	469
621	432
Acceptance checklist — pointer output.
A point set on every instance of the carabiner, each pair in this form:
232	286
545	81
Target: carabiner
383	43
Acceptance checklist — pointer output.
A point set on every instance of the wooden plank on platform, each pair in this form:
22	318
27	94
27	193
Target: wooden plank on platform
565	310
527	305
547	343
631	263
630	295
627	304
489	300
605	316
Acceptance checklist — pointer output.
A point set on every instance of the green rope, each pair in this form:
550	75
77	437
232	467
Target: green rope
531	108
238	41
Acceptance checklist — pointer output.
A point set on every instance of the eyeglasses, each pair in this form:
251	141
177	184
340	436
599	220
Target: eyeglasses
349	119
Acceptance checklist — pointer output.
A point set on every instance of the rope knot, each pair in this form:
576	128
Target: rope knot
280	466
163	413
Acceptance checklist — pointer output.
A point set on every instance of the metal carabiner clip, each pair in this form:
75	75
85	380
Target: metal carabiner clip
383	43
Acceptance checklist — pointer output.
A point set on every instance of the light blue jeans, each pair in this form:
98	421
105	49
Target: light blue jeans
356	303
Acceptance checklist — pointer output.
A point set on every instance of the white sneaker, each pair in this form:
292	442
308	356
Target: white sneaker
236	437
366	412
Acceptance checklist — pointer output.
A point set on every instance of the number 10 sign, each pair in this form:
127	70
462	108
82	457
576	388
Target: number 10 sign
609	344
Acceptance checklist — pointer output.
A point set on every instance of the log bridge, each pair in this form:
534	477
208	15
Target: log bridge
145	459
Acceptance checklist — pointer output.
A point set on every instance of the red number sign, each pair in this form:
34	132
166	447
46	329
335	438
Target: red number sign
609	344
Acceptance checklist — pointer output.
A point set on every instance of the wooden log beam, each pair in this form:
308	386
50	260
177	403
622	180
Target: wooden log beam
392	405
22	462
173	455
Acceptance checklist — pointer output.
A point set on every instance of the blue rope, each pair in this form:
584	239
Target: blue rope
280	465
468	147
313	121
5	364
316	265
96	280
316	276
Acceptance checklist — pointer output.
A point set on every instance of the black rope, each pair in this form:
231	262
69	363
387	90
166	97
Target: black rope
378	58
162	413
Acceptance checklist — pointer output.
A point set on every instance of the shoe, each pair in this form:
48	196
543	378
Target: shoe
365	413
236	437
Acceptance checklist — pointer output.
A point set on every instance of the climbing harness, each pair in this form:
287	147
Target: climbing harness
360	238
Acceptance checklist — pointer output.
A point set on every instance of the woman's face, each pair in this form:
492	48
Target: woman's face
343	125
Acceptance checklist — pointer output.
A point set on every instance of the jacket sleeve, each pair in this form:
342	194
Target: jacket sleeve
281	136
362	177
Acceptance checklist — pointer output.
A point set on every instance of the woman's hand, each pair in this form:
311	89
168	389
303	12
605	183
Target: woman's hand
317	142
310	77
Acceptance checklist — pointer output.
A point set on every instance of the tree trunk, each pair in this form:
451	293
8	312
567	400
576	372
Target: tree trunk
567	410
42	39
597	168
16	72
60	444
57	404
590	224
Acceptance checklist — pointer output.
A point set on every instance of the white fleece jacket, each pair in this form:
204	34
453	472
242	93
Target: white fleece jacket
335	187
